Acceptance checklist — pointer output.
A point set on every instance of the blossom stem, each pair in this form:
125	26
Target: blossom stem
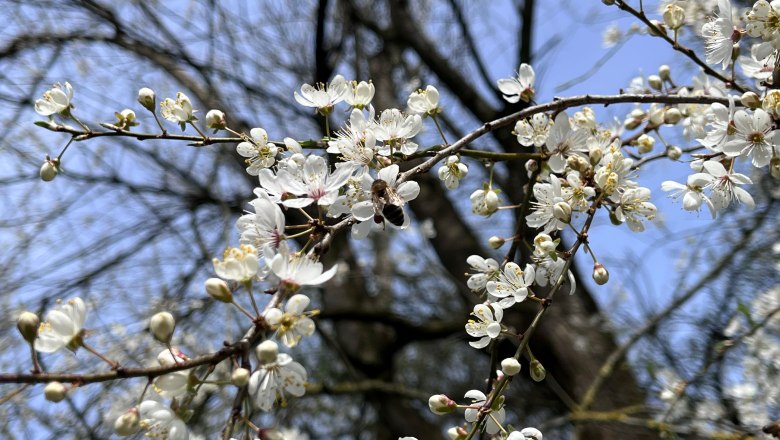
308	231
114	364
243	310
36	365
248	285
306	214
441	132
198	130
84	126
59	156
159	124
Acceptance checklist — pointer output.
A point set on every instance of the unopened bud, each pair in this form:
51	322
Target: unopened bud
146	98
510	366
750	100
531	165
270	434
28	323
655	82
673	152
162	325
657	29
645	143
49	169
538	372
219	290
440	404
267	351
55	392
562	212
672	115
457	433
496	242
578	163
774	167
674	16
240	377
665	72
595	154
216	119
600	274
127	424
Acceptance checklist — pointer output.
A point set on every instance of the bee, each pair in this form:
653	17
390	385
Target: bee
387	204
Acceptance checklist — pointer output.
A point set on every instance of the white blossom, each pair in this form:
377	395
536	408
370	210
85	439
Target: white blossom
275	378
62	327
493	422
452	171
55	100
485	269
512	284
521	87
260	153
755	137
487	325
292	324
323	97
159	421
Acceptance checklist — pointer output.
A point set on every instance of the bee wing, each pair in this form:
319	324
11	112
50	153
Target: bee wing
393	198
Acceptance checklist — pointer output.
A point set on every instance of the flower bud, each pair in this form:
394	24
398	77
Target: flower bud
510	366
28	323
562	212
577	163
440	404
55	392
240	377
162	325
655	82
665	72
128	423
49	169
674	16
496	242
531	434
750	100
267	351
457	433
645	143
672	115
216	119
531	165
673	152
538	372
595	154
600	274
219	290
146	98
270	434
